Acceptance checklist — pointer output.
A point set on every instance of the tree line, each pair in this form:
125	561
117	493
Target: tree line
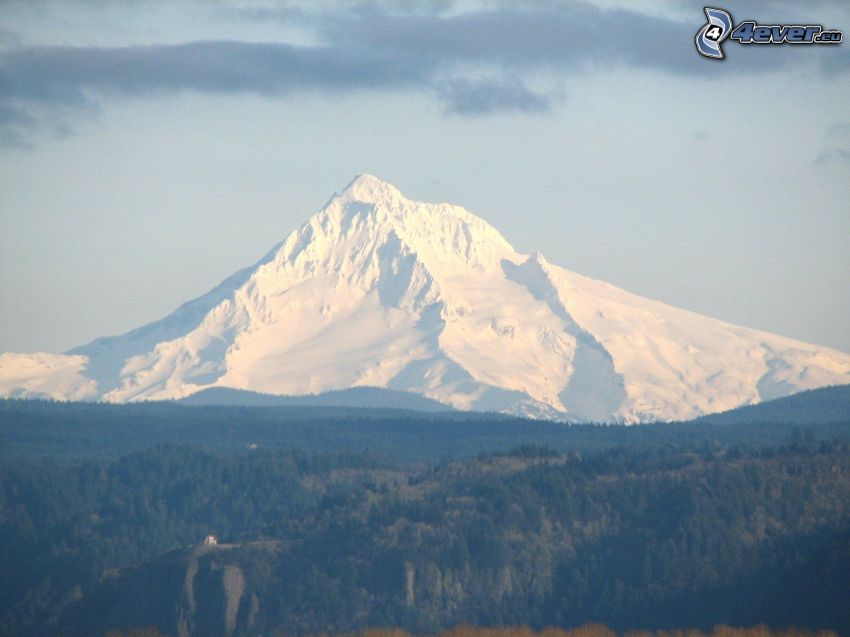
632	537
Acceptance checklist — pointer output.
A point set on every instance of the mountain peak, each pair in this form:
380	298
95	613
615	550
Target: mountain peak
370	189
375	211
383	291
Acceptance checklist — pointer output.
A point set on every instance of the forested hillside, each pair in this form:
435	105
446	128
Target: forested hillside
71	432
824	405
652	537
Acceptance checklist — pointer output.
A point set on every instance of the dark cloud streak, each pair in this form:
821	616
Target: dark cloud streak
473	63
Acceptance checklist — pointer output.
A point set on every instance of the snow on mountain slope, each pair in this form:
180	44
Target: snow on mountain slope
377	290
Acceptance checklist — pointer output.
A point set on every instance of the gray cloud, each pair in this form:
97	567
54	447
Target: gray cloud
58	81
474	63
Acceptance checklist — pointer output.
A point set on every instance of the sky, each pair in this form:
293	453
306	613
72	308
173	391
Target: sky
150	149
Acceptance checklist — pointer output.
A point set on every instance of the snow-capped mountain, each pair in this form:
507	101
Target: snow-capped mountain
378	290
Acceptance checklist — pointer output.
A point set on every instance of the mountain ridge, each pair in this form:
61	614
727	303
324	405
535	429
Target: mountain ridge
810	407
378	290
357	397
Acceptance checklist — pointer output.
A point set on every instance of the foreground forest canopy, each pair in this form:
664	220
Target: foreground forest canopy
629	527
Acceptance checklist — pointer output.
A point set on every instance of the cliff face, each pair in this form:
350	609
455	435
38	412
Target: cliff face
196	592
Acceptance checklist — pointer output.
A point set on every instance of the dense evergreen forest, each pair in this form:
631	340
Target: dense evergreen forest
71	432
654	528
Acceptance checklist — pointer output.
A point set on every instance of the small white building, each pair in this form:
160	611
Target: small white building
210	540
